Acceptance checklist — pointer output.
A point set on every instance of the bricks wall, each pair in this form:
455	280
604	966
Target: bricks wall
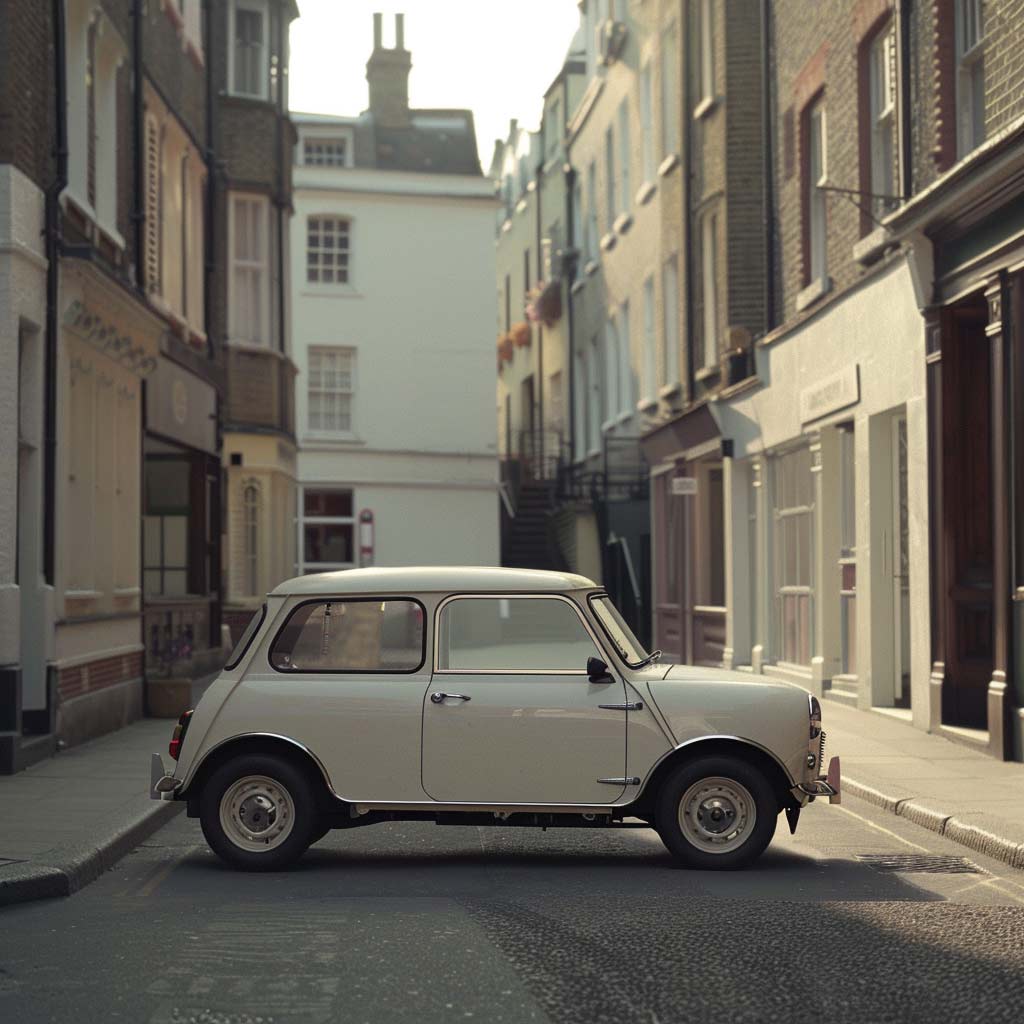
26	89
1004	63
177	75
80	680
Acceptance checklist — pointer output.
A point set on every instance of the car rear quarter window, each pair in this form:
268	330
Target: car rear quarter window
362	635
512	634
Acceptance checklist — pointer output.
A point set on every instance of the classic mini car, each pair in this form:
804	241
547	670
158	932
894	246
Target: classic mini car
482	696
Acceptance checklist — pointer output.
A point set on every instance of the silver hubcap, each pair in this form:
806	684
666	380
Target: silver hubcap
717	815
257	813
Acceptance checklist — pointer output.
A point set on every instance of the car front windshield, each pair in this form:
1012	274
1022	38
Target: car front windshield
626	644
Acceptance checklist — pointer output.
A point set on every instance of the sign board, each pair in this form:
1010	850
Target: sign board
830	394
182	407
685	486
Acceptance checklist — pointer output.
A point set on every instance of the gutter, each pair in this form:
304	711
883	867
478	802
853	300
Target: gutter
53	249
687	186
211	190
768	168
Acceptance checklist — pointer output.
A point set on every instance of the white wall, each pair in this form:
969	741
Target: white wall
419	313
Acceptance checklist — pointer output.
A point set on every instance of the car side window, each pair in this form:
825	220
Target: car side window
512	634
370	635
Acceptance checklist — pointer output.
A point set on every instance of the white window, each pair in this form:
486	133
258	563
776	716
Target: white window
250	290
650	340
613	385
793	556
970	76
706	50
248	53
330	390
627	385
326	151
592	210
670	294
647	120
609	176
708	350
669	91
814	197
326	529
880	73
327	250
624	156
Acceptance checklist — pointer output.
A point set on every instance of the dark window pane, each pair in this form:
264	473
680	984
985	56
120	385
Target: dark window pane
327	542
328	503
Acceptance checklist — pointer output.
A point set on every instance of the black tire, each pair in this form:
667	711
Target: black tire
695	845
297	802
318	833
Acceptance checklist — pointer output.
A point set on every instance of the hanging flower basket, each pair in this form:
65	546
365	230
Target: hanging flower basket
520	334
505	348
544	303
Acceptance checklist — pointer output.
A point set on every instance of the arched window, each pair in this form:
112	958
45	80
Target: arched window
250	520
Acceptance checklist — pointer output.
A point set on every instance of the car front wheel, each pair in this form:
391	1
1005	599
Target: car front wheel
716	813
258	813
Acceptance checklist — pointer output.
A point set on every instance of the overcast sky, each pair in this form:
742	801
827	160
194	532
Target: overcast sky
493	57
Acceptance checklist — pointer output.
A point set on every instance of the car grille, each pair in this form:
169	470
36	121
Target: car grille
821	751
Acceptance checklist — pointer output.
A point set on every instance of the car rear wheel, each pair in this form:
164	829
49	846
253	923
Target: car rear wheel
258	813
716	813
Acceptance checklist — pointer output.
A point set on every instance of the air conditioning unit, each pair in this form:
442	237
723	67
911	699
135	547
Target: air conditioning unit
611	40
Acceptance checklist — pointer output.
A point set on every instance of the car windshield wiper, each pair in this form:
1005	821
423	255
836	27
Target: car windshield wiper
649	660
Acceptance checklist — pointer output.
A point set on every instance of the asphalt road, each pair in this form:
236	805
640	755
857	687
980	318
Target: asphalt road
421	923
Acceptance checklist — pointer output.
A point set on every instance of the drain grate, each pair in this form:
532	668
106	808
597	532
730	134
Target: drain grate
925	862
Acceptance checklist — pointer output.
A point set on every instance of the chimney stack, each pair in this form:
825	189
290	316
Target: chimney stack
387	73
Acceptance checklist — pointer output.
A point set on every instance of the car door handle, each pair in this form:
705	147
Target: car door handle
440	698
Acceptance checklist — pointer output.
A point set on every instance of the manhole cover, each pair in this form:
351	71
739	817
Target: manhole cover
930	862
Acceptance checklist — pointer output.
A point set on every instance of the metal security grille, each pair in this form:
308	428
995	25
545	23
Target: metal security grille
920	862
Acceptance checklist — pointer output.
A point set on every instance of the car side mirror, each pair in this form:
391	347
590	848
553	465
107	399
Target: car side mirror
598	672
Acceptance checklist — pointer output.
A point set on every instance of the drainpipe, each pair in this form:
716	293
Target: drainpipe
210	243
539	178
138	163
903	9
768	170
570	188
53	250
687	184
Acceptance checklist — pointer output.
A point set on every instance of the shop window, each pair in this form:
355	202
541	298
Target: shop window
847	553
793	555
328	530
165	527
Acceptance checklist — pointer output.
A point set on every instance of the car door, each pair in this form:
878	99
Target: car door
511	715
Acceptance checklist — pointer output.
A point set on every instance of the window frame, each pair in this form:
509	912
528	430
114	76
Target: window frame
262	202
709	291
260	7
813	204
705	53
320	285
323	432
304	567
363	599
881	117
535	596
969	61
323	138
668	99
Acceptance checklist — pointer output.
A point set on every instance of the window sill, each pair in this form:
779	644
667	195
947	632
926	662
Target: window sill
871	246
705	107
591	267
814	291
669	390
247	97
669	164
645	193
608	242
647	406
254	347
623	223
707	373
324	437
592	453
327	291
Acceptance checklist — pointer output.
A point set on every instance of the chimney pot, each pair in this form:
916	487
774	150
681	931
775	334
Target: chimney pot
378	31
399	31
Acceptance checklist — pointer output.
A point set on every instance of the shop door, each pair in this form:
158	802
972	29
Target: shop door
900	566
967	503
670	628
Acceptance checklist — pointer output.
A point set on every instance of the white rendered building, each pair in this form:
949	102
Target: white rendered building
392	313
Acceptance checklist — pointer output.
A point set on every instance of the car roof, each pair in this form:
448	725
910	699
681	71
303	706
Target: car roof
433	579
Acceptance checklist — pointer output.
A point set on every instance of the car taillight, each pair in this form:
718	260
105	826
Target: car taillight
179	735
815	712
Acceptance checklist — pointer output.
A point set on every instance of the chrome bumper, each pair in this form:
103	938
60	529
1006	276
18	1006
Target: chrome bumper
161	783
829	785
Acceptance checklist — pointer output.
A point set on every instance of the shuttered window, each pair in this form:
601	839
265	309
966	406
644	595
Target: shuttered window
154	205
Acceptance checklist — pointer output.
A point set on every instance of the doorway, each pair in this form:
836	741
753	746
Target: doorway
900	564
967	511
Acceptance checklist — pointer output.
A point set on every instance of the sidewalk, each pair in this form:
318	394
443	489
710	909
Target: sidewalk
70	818
944	786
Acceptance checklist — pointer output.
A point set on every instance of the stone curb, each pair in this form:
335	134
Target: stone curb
66	869
991	845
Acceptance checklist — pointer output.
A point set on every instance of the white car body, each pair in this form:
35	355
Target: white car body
509	740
